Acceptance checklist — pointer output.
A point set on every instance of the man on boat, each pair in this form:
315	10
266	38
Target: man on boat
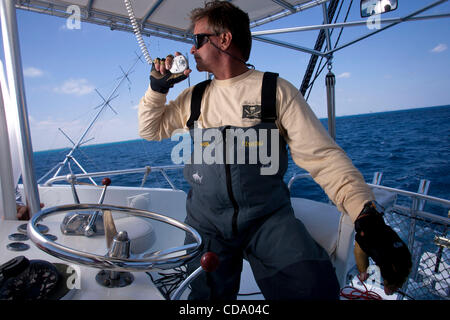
240	211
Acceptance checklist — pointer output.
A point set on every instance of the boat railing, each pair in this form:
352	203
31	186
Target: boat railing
425	233
418	198
145	170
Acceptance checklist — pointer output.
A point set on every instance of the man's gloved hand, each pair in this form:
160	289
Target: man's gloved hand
23	211
384	246
161	79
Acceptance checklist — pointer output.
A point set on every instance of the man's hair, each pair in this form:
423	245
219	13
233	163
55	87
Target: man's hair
223	16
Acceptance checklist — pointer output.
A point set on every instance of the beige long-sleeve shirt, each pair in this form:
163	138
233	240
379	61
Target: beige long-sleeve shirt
222	104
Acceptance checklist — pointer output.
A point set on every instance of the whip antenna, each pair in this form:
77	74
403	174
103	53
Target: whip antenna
137	31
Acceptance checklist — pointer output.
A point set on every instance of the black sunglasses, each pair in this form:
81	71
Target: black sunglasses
199	39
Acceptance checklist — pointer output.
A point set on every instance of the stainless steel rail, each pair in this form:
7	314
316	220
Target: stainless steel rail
144	170
429	277
15	79
413	195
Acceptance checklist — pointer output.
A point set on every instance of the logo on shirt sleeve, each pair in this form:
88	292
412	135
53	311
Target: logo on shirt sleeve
251	112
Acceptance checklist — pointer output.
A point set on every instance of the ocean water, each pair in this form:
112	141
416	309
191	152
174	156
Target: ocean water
407	146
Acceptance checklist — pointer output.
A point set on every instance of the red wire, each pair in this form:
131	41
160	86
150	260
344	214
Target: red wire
355	293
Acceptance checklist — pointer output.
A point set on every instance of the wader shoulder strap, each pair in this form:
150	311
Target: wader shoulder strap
269	97
196	101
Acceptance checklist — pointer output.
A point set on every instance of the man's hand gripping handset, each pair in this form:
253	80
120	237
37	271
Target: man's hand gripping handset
167	72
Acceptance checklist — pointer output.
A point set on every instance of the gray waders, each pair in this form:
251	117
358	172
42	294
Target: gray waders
241	206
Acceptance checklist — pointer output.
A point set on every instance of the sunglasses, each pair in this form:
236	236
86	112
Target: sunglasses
200	39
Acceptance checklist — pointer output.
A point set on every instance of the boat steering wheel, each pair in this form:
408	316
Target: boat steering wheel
163	259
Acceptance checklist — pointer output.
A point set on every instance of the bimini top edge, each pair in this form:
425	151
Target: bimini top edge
163	18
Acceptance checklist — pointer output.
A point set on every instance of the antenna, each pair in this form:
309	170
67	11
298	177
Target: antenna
81	140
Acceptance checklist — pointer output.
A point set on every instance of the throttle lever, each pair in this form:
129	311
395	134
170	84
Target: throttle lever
106	182
71	178
209	262
90	228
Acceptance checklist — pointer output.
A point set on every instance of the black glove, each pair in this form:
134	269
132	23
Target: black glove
383	245
162	83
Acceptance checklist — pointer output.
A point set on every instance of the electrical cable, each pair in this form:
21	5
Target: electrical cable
232	56
169	282
137	32
367	294
358	294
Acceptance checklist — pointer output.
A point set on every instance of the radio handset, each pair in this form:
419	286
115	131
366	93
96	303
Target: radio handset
179	64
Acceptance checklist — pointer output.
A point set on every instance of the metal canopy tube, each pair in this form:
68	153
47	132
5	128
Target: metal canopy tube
17	92
150	12
327	31
289	46
7	194
89	7
286	13
345	24
406	18
285	5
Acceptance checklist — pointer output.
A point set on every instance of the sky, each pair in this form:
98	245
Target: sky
404	67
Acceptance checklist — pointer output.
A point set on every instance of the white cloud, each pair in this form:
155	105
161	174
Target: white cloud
439	48
344	75
46	135
135	107
51	123
32	72
75	86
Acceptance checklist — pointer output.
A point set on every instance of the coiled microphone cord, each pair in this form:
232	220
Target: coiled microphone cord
137	32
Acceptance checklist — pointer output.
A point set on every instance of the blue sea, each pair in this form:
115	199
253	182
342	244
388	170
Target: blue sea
407	146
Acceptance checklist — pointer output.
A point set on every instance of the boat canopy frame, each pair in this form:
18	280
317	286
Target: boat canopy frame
119	20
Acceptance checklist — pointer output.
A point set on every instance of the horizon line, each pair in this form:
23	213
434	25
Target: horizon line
343	116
